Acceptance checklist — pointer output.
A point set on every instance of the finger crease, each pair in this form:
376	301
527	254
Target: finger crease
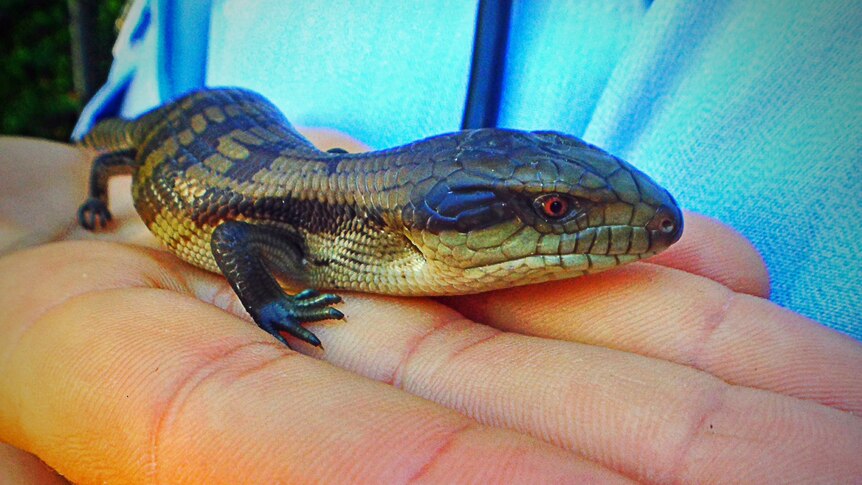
441	450
711	324
493	334
185	386
416	343
711	403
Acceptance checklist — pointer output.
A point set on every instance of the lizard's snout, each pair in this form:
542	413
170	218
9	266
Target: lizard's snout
665	227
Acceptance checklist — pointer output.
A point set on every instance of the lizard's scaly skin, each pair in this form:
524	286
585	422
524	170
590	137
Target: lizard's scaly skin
452	214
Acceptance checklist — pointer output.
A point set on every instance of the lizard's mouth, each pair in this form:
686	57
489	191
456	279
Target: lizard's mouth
593	248
564	263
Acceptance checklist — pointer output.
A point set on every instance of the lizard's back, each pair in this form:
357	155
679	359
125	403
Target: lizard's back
195	157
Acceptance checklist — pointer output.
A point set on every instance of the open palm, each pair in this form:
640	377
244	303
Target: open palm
120	363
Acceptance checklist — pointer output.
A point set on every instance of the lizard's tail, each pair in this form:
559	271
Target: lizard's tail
113	135
119	134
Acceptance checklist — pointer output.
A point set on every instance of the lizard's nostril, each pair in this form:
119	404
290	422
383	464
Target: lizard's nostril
666	226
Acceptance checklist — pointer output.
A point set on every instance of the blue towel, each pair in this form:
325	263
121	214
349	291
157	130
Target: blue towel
750	112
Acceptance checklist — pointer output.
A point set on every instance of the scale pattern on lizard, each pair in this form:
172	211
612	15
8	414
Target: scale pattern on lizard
222	178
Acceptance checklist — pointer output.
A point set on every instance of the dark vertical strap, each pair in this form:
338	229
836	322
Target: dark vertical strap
86	55
183	43
489	60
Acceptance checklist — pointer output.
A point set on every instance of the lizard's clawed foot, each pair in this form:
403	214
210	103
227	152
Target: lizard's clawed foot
93	213
288	313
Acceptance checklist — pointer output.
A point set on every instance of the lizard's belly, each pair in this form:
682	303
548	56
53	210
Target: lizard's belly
185	238
171	212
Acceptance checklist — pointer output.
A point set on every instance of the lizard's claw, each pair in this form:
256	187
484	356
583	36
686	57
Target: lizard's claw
93	213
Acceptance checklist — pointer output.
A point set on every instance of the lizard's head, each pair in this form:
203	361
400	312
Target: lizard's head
502	208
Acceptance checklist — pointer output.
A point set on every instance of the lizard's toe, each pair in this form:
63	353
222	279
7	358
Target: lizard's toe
93	213
306	294
318	300
288	315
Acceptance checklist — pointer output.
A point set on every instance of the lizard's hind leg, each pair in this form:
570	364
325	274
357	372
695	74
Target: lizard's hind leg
94	211
246	254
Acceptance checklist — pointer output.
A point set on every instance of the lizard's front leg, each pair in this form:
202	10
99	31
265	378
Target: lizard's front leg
94	211
245	254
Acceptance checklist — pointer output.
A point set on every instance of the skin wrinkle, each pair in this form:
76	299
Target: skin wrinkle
700	341
711	401
73	301
168	277
63	232
193	379
172	275
442	450
476	343
697	350
266	364
713	320
710	397
558	441
416	342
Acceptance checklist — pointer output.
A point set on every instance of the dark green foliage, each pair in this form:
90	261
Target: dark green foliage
37	96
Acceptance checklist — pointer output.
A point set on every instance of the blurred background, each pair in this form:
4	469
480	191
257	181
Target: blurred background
54	55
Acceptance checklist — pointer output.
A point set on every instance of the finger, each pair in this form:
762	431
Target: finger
671	315
52	170
652	420
327	138
716	251
22	468
137	384
59	173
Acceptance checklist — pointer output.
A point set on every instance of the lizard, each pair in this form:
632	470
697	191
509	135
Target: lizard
222	178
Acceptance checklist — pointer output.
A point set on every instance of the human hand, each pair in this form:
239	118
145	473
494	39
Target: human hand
116	368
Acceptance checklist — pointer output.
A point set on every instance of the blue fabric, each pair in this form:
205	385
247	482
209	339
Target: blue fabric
385	72
185	26
750	112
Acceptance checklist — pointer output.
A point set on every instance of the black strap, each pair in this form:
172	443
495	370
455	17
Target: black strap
489	60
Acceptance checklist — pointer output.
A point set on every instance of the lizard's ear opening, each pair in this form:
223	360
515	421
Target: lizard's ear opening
462	209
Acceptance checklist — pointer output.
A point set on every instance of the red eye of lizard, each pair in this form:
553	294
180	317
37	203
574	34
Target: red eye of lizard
555	206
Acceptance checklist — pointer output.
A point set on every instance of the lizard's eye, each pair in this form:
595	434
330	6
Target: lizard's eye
553	206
